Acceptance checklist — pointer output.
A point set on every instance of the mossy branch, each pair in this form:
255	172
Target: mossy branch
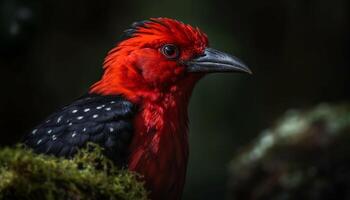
89	175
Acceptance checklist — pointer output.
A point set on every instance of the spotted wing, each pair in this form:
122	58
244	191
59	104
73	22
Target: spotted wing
105	120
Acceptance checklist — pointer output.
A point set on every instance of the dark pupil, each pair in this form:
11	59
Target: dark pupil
169	50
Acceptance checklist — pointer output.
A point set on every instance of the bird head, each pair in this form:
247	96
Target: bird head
161	55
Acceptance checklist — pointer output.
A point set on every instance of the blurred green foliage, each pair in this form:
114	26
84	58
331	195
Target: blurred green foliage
304	156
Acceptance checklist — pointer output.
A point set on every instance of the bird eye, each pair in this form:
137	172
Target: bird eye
170	51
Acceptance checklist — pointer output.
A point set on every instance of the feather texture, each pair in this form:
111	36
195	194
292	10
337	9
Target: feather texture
105	120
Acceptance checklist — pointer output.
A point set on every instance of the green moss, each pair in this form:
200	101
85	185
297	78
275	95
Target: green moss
89	175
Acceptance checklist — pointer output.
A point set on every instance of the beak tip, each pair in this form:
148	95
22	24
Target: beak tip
249	71
245	69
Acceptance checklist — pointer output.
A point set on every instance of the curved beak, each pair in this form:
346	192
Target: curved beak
216	61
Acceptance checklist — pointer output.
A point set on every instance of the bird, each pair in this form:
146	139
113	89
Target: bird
137	111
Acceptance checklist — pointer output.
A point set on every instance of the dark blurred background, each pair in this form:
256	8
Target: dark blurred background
51	52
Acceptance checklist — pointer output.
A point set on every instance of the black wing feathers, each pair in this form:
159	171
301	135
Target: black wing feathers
105	120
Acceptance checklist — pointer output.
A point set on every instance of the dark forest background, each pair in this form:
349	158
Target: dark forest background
51	52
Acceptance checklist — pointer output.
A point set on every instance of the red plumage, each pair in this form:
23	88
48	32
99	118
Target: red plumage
136	69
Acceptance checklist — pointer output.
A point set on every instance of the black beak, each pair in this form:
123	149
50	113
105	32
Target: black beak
216	61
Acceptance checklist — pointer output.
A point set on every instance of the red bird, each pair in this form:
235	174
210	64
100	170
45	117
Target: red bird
138	110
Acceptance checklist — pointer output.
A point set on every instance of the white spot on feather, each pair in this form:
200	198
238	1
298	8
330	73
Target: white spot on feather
59	119
86	109
34	131
49	131
39	141
95	116
54	137
74	111
80	117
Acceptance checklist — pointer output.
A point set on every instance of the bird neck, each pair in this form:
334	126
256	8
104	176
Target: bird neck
163	115
159	149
